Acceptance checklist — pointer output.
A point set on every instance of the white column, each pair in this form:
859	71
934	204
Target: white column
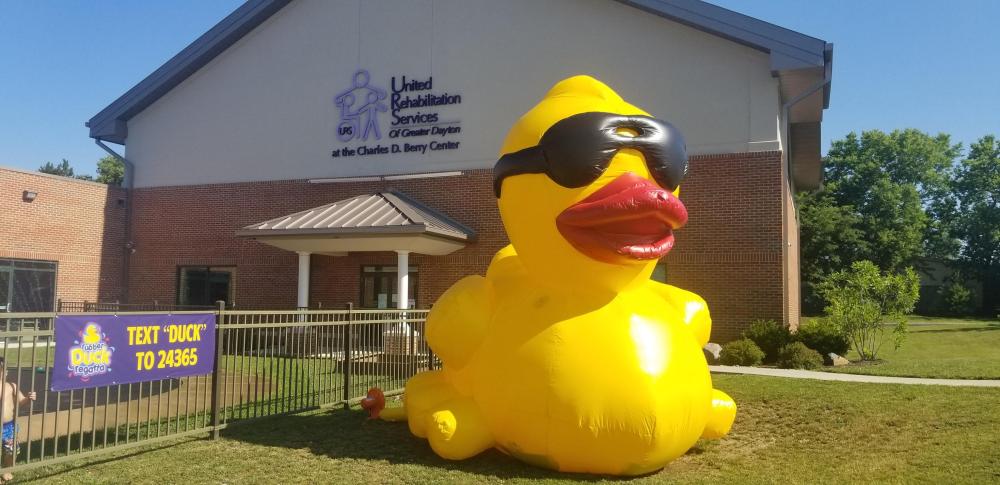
402	279
303	300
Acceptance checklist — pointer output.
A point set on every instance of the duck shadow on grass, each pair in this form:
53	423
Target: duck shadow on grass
348	434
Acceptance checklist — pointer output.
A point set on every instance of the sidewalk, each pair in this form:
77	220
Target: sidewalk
830	376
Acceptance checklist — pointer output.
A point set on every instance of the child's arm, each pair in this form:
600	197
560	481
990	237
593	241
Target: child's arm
22	399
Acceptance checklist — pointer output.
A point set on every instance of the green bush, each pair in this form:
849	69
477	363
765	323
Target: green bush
797	356
956	299
823	336
862	300
741	352
770	336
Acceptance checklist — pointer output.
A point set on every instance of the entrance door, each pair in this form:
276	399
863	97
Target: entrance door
378	287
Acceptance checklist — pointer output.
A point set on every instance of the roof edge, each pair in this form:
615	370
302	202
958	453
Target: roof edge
355	231
409	230
110	123
407	200
788	49
61	178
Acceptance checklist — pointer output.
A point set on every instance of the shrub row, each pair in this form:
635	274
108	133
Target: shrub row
767	341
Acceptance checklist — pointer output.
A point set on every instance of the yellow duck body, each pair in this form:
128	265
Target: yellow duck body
560	359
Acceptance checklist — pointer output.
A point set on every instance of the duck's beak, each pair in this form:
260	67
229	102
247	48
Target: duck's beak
630	218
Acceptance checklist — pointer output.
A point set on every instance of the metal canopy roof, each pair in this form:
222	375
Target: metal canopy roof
353	224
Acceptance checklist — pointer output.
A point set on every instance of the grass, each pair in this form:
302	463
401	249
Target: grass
296	383
958	349
794	431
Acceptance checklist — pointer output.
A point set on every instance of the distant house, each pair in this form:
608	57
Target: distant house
934	275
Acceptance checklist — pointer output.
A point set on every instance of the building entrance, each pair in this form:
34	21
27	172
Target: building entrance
379	288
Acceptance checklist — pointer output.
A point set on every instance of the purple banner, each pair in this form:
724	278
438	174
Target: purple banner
103	350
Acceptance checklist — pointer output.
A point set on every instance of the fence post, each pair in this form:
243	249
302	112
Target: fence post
347	354
413	351
216	384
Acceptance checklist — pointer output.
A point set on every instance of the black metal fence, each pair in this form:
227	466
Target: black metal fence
267	363
69	306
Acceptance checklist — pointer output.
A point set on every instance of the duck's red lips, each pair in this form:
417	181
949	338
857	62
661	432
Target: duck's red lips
630	218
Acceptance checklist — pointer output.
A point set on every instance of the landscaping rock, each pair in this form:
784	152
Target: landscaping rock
712	351
835	360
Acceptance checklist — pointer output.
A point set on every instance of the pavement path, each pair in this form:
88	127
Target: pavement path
831	376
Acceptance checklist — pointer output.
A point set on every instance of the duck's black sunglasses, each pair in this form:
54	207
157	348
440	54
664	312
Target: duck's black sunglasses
577	150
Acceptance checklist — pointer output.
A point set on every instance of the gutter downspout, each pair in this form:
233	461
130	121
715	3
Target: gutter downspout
787	107
127	185
786	111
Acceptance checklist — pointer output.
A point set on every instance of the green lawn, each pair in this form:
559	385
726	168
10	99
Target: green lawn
957	349
795	431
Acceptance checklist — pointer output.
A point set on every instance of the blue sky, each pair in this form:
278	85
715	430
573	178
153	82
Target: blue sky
897	64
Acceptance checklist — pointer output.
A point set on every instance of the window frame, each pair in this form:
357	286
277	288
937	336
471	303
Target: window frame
231	269
10	266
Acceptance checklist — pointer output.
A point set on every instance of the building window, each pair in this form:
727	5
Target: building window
378	287
27	286
660	273
205	285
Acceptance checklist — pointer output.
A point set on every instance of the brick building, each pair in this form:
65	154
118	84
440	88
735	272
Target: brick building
62	239
384	120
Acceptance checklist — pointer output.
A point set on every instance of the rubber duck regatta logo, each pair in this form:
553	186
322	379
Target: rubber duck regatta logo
91	355
359	108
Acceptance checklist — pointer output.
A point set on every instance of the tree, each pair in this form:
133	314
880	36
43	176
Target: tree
862	299
976	217
895	182
830	242
63	169
884	198
110	170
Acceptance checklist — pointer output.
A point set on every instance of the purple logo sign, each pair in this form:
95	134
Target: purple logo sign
359	108
103	350
90	354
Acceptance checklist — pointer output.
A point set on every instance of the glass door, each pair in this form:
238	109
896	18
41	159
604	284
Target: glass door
378	287
5	281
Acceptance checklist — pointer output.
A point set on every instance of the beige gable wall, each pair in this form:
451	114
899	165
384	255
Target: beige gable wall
264	110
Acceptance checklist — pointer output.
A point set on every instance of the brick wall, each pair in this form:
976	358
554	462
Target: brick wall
731	252
79	224
195	225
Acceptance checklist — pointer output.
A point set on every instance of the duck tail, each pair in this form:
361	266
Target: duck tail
393	414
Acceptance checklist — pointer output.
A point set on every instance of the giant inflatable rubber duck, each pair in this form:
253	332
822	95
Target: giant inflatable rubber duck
566	355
